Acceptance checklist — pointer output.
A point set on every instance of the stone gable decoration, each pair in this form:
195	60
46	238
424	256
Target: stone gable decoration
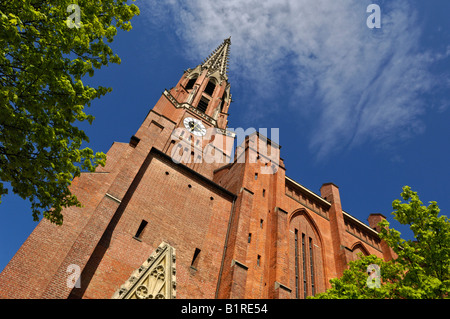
155	279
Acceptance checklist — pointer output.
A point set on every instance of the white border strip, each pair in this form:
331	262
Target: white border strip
113	198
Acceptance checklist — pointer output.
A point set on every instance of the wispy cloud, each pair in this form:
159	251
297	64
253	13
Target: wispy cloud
357	84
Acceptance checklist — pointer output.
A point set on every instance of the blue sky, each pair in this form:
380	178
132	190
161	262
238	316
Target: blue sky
366	109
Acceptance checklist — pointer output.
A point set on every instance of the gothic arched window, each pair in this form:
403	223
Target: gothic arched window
210	87
357	249
191	83
306	264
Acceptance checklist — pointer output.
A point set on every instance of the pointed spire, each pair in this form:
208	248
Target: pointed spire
218	59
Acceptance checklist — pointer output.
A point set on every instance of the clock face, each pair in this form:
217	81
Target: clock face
194	126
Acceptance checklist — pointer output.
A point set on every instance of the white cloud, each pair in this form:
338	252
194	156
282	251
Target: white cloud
357	84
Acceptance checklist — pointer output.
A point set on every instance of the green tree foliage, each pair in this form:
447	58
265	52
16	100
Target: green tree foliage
42	97
422	268
354	282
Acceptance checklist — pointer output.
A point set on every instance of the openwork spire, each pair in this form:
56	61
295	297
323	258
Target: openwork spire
218	59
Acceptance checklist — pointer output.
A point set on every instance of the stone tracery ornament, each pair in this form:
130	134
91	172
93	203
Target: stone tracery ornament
155	279
141	292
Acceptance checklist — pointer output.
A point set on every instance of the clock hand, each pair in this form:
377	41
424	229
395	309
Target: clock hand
193	126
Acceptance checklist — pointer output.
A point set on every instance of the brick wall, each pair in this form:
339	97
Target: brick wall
180	209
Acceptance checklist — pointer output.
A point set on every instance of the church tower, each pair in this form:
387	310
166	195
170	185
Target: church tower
176	214
198	107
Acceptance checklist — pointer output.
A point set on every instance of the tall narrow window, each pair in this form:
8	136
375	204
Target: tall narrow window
256	176
296	265
195	259
304	266
258	260
264	193
224	100
311	262
249	237
261	222
306	259
203	104
140	229
210	87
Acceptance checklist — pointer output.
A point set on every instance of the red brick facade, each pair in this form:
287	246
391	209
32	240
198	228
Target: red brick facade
254	235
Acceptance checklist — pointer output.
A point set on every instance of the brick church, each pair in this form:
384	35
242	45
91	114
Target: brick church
161	221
